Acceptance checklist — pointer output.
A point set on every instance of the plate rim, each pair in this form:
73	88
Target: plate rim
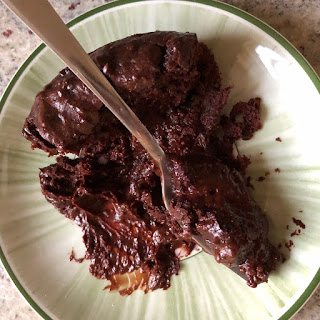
290	48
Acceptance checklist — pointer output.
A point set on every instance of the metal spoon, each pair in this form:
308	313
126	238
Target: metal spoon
41	18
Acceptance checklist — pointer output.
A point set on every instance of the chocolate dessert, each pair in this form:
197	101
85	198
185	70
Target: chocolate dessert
112	190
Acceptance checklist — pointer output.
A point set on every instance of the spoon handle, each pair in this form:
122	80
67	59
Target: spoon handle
40	16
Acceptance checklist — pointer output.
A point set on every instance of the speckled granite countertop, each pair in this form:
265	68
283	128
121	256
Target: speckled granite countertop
297	20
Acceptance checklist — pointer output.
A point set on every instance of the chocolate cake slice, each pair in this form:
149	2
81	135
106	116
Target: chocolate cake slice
112	191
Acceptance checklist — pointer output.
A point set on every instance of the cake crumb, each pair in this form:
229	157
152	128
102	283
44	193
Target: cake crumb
287	227
299	223
300	211
295	233
278	139
267	173
289	244
261	179
277	170
73	5
250	123
7	33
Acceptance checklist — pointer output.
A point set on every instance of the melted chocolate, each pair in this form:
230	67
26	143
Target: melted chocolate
112	191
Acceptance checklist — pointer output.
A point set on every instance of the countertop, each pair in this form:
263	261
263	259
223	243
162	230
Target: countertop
297	20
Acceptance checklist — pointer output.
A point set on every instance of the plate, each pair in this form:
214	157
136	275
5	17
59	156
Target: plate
36	240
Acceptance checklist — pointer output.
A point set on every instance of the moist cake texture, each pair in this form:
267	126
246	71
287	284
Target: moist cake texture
112	190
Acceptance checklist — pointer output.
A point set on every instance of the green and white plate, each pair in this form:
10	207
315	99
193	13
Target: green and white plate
36	240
